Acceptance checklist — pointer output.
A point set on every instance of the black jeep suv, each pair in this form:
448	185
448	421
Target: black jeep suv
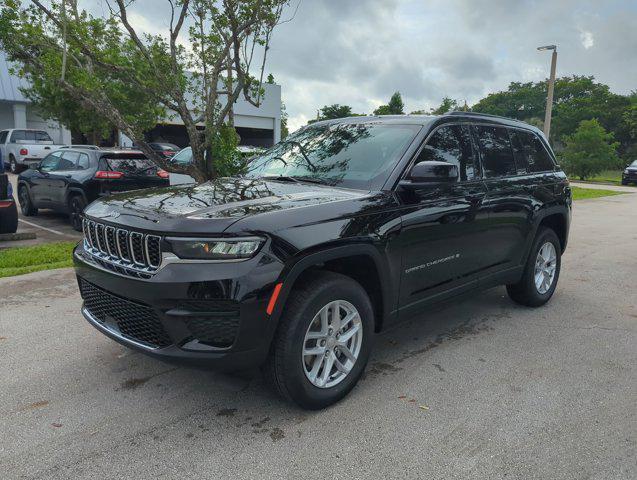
334	234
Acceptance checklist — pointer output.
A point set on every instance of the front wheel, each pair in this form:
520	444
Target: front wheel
26	205
542	270
323	341
77	204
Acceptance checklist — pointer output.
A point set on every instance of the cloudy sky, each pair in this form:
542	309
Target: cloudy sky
358	52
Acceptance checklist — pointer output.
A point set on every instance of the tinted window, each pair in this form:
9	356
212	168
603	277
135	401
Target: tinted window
450	144
497	155
519	153
41	136
537	157
131	164
50	162
17	135
3	136
82	162
68	161
351	155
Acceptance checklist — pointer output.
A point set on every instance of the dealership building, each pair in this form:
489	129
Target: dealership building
256	126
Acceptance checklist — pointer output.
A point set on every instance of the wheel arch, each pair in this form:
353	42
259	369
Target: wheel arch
361	262
72	192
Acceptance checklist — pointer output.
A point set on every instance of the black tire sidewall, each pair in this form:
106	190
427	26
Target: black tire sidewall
76	200
299	387
25	203
537	298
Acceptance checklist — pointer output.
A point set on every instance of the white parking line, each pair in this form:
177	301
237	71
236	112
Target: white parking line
45	228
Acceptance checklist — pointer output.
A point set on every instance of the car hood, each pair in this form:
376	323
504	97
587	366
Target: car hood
212	206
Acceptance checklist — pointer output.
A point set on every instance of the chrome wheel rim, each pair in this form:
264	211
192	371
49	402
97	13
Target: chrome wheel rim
545	266
332	344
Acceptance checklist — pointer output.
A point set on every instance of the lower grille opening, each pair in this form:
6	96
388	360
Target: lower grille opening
217	332
135	321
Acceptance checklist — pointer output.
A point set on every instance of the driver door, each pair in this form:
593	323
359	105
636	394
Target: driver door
443	232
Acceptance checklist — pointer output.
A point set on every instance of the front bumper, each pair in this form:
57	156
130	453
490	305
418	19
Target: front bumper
209	315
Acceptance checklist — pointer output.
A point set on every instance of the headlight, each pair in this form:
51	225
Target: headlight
626	171
216	249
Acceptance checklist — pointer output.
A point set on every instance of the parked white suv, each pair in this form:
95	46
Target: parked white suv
22	147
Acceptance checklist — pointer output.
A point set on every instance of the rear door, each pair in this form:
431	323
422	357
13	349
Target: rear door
136	170
442	234
39	186
508	202
60	178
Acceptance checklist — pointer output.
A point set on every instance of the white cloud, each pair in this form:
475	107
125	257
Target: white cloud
587	39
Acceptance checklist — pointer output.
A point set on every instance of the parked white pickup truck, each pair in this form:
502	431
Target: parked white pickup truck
22	147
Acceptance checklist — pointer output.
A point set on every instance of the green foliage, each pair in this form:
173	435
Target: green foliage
21	260
589	150
447	105
576	98
330	112
226	159
394	107
94	72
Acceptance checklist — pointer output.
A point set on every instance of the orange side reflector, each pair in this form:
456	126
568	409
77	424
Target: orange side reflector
275	295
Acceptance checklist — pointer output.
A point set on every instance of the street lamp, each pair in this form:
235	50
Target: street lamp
549	98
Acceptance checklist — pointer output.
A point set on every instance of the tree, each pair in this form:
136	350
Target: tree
394	107
211	54
330	112
447	105
589	150
576	98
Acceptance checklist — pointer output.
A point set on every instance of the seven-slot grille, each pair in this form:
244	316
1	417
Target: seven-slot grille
125	251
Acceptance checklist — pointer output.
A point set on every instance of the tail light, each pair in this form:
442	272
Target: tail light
168	153
108	175
163	174
24	151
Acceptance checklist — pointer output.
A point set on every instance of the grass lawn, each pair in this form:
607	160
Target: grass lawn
582	193
607	176
21	260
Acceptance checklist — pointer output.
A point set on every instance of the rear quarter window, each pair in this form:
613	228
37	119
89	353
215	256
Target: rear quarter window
537	157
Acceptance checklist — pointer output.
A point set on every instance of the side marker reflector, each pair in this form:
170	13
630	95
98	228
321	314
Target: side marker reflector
275	295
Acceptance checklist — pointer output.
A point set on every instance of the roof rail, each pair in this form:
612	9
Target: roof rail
478	114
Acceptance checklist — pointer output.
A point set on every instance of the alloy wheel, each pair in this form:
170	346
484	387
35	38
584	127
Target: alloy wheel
545	266
332	344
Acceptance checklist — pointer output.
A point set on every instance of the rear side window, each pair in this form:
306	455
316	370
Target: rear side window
451	144
537	158
497	155
68	161
3	136
83	162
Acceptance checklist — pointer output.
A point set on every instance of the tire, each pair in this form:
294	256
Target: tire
288	370
9	219
526	291
26	205
625	182
77	204
13	165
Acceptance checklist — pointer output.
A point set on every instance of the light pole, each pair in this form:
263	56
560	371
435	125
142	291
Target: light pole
549	97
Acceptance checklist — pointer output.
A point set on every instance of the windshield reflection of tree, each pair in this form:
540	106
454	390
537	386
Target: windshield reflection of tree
315	153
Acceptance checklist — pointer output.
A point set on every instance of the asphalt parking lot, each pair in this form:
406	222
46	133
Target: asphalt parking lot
481	388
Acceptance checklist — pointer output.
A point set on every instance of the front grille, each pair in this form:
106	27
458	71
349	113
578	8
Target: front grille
123	251
132	320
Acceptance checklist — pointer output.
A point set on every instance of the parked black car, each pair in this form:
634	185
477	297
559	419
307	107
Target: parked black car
630	174
336	233
8	210
167	150
69	179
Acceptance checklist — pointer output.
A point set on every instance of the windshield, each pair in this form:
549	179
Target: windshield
349	155
634	164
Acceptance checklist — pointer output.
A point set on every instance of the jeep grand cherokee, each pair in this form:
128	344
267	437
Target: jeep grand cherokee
334	234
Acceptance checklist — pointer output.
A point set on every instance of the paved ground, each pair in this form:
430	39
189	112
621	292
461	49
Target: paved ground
47	225
505	391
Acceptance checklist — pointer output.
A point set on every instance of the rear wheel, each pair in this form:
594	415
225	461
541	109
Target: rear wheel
13	165
77	204
26	205
542	270
323	341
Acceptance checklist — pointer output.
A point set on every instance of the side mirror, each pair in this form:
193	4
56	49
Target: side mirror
430	173
34	166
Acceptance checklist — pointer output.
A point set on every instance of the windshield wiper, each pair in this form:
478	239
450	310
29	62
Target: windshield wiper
295	179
